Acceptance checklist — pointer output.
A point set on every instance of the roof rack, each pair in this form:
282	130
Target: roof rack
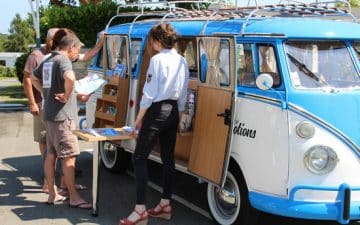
170	6
312	9
292	8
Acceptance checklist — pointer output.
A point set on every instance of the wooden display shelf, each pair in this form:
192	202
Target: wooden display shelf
114	80
89	137
104	116
108	98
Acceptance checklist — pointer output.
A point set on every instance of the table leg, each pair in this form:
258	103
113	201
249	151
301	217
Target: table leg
95	181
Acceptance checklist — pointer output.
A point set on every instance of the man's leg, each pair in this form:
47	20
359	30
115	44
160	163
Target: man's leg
42	147
49	170
68	167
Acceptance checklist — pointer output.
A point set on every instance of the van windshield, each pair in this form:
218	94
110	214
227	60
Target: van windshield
315	64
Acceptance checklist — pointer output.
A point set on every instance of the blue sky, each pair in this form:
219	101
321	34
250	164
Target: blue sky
8	10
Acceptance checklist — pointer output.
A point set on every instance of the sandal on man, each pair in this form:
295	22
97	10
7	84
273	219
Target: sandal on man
81	205
57	200
78	187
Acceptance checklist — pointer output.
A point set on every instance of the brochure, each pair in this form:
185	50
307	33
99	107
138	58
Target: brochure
102	131
120	70
89	84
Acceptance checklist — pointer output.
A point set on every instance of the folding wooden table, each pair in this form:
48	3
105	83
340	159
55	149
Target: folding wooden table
96	158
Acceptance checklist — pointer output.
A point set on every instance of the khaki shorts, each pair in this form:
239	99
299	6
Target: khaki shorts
39	129
60	140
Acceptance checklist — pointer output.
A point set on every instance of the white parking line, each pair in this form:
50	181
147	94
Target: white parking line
174	197
178	199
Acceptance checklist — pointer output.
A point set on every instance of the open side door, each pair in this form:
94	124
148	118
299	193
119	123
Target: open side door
210	154
112	106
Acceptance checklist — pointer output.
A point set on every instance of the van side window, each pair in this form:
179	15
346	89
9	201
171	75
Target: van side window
187	48
267	62
214	57
356	46
245	65
116	50
100	59
135	52
203	61
224	62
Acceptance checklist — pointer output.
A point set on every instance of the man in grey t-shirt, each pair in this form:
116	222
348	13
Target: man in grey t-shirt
55	79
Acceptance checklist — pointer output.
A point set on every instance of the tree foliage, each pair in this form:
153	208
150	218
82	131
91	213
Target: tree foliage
20	64
21	35
86	20
354	3
62	3
3	38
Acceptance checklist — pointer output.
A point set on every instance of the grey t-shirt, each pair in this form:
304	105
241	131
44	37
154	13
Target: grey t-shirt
51	73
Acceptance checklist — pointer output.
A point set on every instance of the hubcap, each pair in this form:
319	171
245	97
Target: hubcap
109	154
224	204
226	199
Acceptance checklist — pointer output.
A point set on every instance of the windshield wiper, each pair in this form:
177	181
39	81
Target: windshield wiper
302	67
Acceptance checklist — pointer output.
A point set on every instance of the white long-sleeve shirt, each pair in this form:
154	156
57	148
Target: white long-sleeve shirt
167	78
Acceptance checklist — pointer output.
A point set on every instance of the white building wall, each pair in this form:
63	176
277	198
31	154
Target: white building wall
9	58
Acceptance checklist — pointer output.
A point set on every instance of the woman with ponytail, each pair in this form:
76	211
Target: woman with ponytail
163	99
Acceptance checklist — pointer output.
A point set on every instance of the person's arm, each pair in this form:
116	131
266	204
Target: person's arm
36	82
69	77
28	88
89	54
139	120
183	94
82	97
150	92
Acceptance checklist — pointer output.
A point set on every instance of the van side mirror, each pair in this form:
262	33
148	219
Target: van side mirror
264	81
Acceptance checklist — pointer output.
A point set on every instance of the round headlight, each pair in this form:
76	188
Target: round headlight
305	130
320	159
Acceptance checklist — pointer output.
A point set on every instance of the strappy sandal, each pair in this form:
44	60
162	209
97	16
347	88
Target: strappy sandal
143	219
164	213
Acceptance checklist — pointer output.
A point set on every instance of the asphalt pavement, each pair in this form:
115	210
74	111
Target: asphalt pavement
23	202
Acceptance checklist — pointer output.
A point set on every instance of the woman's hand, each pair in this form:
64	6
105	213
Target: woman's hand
138	121
137	126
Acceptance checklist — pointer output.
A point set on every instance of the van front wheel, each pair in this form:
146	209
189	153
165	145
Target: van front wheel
114	158
230	205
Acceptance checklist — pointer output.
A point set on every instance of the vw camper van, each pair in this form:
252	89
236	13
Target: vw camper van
272	119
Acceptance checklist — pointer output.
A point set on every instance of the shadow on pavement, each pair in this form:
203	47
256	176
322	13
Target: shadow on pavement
21	194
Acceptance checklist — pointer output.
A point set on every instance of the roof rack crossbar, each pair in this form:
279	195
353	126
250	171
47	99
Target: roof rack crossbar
137	16
304	9
206	22
292	8
171	6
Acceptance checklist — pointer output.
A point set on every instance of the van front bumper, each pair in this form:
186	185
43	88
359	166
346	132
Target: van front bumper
342	210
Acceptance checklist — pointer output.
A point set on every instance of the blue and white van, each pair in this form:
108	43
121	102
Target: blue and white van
273	114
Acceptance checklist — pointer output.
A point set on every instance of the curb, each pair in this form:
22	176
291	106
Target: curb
4	107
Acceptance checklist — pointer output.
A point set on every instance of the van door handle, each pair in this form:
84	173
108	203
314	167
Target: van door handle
226	115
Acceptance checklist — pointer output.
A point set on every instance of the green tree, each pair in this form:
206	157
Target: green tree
86	20
21	35
3	38
354	3
20	64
